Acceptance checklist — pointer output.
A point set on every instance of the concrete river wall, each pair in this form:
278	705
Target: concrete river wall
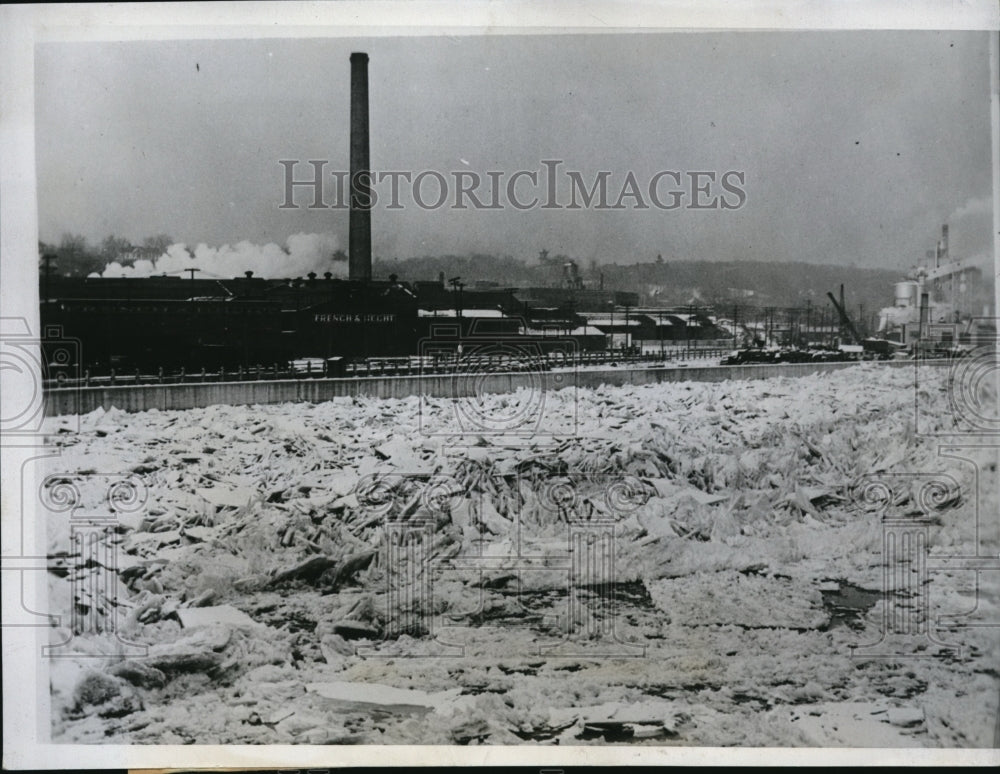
81	400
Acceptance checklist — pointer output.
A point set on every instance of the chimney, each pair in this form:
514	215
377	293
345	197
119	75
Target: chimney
944	243
360	238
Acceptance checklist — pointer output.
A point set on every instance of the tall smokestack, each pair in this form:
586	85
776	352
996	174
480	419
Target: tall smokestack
944	243
360	238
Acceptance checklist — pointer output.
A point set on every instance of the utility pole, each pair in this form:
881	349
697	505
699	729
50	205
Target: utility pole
48	258
687	333
808	320
192	270
841	329
457	286
625	346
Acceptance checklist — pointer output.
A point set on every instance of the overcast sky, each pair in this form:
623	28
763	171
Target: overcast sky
856	146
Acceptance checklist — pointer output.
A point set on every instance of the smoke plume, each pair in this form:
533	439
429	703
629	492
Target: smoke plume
982	206
303	253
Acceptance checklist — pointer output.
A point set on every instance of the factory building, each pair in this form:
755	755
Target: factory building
942	304
188	322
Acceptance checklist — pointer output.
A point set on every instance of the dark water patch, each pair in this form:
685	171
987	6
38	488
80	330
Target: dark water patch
289	620
536	600
618	731
503	616
529	670
631	593
475	690
660	690
762	571
541	733
755	702
848	604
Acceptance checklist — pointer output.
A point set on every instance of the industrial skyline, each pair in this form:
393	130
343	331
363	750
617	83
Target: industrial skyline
855	146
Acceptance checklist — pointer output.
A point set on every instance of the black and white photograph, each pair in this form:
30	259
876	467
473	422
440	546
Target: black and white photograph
577	385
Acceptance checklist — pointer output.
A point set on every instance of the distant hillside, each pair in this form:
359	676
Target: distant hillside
755	283
670	282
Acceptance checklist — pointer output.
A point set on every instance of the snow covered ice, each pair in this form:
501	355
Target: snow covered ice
328	573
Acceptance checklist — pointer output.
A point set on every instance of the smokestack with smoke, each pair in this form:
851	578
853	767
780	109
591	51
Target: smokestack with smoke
968	235
304	253
941	252
361	217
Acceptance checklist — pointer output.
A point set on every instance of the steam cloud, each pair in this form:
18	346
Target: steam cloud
971	232
304	253
983	206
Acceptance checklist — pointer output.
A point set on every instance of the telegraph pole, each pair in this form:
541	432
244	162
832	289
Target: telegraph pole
457	286
660	330
192	270
48	258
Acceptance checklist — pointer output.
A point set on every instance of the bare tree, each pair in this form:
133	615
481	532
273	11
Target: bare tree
114	247
160	242
75	257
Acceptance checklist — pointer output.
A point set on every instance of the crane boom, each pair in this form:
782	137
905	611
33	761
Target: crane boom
844	319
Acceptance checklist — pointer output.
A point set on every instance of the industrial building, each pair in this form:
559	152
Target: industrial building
174	323
942	304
